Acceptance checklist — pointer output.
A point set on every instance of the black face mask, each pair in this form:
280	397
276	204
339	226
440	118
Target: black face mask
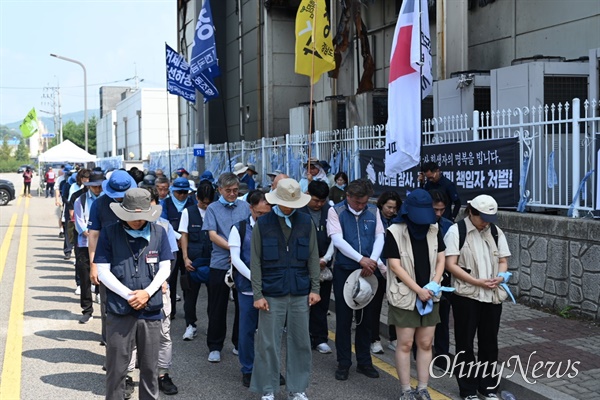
417	231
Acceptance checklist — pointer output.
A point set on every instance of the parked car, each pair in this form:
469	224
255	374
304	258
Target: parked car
7	192
22	168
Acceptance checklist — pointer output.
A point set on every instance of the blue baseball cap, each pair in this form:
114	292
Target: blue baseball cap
207	176
181	184
120	181
418	207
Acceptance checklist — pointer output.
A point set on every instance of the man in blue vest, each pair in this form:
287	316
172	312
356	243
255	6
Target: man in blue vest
285	281
357	232
239	245
195	244
134	259
172	207
318	209
220	217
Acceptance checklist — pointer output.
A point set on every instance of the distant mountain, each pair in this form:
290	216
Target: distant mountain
48	122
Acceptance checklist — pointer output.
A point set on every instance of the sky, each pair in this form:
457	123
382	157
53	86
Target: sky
112	38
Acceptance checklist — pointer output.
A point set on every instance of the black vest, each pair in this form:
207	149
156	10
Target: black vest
123	268
285	264
199	244
173	215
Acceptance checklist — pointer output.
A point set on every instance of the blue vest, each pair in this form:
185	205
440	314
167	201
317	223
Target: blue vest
241	283
359	232
199	244
173	215
285	264
323	240
105	214
123	268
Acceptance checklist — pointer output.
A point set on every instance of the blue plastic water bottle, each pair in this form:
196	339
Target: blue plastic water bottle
505	395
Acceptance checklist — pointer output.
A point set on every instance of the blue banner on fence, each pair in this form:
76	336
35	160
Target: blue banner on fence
204	66
484	167
178	76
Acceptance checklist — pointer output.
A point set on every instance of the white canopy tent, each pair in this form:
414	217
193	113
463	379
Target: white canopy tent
67	151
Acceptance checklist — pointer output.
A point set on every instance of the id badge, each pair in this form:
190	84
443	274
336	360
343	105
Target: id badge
152	257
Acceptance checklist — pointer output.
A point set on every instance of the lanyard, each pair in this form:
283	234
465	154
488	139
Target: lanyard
136	257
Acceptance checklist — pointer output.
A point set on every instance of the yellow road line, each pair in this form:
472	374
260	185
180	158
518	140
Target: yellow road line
10	382
19	199
391	370
6	244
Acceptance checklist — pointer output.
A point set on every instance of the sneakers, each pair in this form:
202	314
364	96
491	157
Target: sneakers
490	396
214	356
78	290
235	351
67	256
324	348
376	347
61	235
341	374
422	394
129	387
190	333
367	370
408	395
297	396
472	397
165	385
392	345
268	396
86	318
177	297
97	298
246	378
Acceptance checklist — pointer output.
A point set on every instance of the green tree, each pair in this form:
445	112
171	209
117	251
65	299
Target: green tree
5	151
22	153
76	134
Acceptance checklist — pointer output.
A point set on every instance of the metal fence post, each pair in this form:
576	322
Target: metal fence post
475	125
287	152
575	153
317	141
357	173
264	161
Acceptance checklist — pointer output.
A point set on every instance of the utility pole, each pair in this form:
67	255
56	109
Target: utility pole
51	97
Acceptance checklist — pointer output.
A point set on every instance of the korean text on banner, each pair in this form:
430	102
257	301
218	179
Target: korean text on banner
313	40
29	127
204	64
178	76
410	81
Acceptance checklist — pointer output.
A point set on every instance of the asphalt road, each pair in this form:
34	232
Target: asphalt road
46	353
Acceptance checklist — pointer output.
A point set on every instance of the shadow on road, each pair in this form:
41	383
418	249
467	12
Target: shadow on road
57	299
62	277
45	248
70	334
53	289
66	355
81	381
55	261
51	314
52	256
57	269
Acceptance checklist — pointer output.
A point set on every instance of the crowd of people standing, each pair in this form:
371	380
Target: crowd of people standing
278	253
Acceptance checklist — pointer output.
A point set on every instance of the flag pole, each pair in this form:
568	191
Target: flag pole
312	88
226	131
168	134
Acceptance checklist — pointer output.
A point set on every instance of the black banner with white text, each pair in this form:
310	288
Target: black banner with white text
484	167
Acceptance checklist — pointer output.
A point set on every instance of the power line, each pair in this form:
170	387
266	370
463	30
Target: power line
66	87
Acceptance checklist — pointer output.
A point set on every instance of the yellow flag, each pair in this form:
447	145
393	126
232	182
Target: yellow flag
313	40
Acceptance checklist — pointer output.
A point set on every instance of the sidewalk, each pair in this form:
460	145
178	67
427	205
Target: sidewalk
569	352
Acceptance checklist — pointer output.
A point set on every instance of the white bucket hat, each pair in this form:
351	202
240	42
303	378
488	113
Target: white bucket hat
239	168
288	194
359	290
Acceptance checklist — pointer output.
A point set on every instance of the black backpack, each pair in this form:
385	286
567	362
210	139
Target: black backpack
462	233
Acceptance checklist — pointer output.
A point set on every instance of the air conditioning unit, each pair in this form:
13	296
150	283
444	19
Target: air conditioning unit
463	93
299	119
330	114
366	109
539	83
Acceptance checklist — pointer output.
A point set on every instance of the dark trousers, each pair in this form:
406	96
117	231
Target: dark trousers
179	264
50	189
441	342
69	228
191	290
248	325
377	304
343	326
317	324
82	267
26	188
470	317
218	299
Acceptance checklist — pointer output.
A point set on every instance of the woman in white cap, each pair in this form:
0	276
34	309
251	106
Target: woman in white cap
284	264
414	249
477	255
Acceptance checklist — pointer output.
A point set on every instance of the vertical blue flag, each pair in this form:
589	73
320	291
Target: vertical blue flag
178	76
204	64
